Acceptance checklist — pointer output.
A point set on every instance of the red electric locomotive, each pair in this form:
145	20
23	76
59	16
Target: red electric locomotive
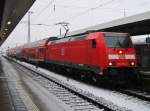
104	53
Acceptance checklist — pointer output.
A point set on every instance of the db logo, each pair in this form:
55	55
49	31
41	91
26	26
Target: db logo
62	51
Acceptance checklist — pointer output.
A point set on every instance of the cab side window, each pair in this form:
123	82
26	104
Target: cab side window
93	43
41	49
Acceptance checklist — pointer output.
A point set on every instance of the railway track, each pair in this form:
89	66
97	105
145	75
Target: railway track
77	99
136	93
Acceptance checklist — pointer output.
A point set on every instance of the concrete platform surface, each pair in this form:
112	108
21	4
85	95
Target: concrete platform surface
12	94
24	93
5	97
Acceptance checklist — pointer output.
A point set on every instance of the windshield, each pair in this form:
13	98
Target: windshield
118	41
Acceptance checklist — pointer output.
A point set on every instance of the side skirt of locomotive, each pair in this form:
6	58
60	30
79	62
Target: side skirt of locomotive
83	67
120	75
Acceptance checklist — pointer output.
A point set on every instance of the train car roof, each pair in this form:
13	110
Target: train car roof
40	43
36	43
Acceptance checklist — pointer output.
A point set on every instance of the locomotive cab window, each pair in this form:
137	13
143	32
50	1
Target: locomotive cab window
93	43
118	41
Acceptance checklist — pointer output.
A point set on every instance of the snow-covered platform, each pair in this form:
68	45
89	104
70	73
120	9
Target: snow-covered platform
9	98
12	94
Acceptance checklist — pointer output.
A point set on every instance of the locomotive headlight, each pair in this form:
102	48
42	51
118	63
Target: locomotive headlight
130	56
113	56
132	63
110	63
120	52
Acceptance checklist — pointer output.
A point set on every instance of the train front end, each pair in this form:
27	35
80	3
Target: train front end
120	55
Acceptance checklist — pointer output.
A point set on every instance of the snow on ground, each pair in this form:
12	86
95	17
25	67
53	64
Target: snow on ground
115	97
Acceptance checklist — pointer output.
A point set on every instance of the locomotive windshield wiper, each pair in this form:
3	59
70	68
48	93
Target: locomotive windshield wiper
118	42
126	44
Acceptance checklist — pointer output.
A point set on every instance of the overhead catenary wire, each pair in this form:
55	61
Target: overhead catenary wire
81	13
74	6
54	7
48	5
86	11
48	25
91	9
124	11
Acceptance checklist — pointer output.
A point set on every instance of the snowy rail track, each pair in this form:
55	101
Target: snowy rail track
77	99
136	93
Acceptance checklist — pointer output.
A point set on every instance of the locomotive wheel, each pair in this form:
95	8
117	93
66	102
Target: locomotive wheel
82	76
94	79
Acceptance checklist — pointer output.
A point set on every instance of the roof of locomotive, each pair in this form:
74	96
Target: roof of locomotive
95	31
83	36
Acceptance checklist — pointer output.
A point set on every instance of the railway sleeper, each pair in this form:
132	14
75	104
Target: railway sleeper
86	104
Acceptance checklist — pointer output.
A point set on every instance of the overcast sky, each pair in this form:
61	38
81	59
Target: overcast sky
79	13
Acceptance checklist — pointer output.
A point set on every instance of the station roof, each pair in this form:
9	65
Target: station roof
11	12
135	25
